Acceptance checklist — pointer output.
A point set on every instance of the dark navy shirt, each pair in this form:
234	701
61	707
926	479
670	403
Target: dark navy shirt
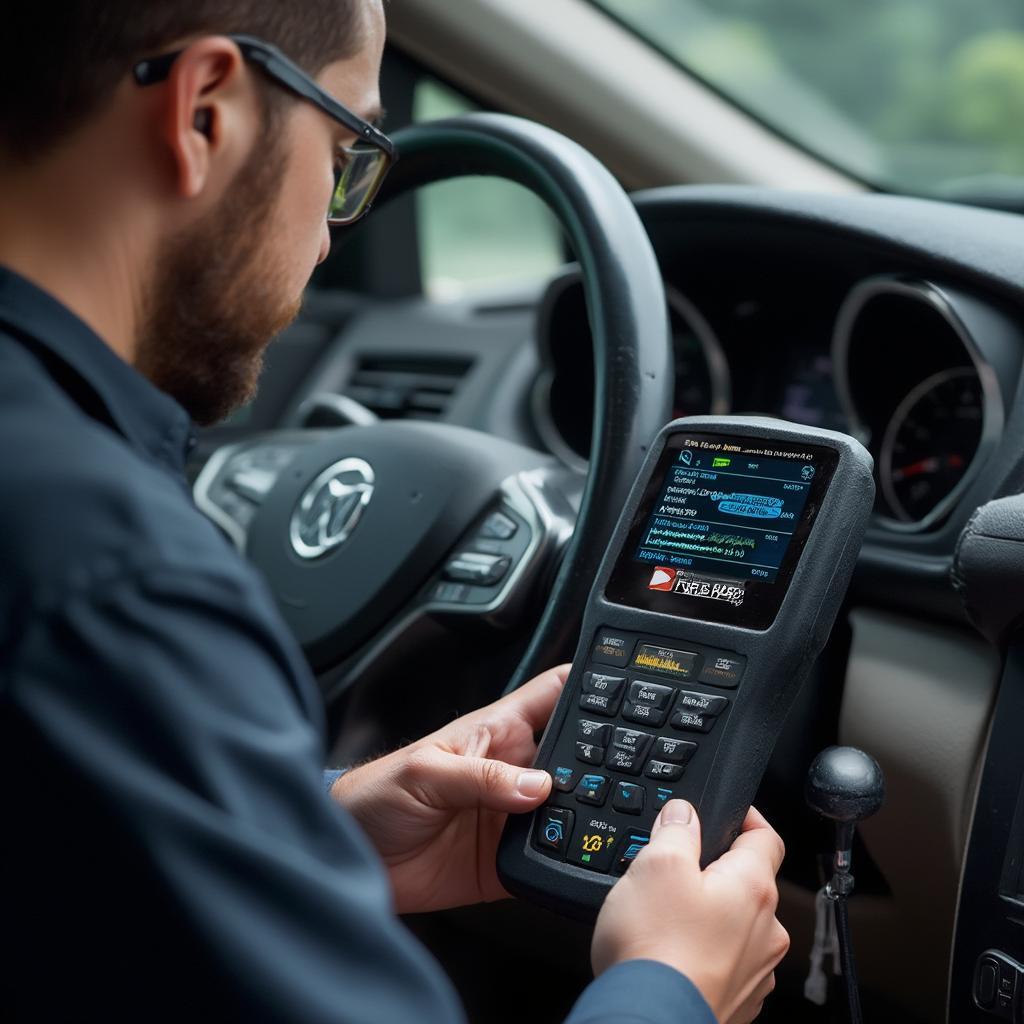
168	851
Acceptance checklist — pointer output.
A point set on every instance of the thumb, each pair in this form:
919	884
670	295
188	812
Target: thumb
464	781
678	827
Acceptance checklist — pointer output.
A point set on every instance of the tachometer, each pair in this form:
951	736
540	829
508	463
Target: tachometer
702	371
930	442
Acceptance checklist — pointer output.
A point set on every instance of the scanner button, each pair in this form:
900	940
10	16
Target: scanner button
644	714
554	829
598	682
722	669
692	722
599	703
663	770
628	761
628	798
612	648
632	739
662	795
701	703
594	845
651	694
564	779
589	753
592	789
668	748
594	732
630	845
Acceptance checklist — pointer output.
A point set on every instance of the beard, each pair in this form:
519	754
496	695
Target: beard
216	303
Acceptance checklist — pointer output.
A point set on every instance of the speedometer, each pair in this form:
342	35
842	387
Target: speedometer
930	442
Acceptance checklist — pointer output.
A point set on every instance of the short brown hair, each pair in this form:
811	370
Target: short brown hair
58	65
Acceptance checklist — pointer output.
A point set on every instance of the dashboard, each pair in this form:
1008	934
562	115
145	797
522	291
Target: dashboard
900	362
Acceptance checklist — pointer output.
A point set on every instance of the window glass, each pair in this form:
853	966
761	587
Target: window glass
923	96
478	232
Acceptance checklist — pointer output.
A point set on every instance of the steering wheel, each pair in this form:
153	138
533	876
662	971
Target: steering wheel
361	530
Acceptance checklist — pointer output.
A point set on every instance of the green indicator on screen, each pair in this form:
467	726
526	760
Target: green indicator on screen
719	463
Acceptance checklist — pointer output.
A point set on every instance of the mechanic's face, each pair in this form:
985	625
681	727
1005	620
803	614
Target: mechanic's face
228	285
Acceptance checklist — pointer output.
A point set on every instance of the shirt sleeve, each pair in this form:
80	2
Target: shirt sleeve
641	992
331	776
175	853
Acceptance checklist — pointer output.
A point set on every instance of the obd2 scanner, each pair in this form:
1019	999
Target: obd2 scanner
718	591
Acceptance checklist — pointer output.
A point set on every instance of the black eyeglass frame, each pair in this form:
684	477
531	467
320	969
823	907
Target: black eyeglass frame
287	73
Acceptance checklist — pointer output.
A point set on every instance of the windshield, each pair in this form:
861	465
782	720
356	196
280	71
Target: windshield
922	96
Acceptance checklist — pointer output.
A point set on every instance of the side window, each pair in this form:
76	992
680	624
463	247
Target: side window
478	232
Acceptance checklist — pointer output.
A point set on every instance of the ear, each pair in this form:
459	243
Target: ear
210	113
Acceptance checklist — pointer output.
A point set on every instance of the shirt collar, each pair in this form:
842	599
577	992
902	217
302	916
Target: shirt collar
151	420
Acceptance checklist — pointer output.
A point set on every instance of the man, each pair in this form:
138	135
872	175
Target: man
169	850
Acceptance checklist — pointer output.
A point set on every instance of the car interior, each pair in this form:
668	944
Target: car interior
805	239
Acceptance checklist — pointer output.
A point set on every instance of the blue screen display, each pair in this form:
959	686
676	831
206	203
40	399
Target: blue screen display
727	511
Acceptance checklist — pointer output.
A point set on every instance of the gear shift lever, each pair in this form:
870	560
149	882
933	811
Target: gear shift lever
847	786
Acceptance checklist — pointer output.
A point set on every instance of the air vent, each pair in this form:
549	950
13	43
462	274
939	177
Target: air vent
407	387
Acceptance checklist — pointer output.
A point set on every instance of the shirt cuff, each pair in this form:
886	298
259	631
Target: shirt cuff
641	992
331	776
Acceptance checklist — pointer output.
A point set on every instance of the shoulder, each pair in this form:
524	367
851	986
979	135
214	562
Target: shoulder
80	503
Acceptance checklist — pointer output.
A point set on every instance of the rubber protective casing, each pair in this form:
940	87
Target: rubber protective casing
778	660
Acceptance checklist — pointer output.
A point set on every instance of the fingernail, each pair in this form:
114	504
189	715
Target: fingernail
677	812
532	783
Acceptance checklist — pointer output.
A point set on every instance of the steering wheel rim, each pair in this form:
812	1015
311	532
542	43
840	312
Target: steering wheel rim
626	307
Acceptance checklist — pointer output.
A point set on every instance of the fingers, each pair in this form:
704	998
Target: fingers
761	839
534	701
443	779
676	833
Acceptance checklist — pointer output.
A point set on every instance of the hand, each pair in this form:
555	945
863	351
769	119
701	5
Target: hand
716	926
435	809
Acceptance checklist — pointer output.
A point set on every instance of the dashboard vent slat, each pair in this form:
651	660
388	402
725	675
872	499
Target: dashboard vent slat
407	387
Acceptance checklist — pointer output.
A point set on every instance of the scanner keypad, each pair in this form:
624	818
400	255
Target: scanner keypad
646	708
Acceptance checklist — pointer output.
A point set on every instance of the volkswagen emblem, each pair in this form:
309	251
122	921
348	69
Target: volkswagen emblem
330	508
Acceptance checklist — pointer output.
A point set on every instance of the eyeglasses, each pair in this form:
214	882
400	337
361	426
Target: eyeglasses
362	167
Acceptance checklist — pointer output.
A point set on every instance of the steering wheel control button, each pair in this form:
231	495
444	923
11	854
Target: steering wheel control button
722	669
652	694
595	845
628	761
628	798
477	568
634	842
563	780
589	753
498	526
594	732
592	789
692	722
664	770
701	703
668	748
652	658
554	829
611	648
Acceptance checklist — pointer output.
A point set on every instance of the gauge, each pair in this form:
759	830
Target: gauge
702	382
930	442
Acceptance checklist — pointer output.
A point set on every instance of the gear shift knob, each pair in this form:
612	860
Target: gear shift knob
847	786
